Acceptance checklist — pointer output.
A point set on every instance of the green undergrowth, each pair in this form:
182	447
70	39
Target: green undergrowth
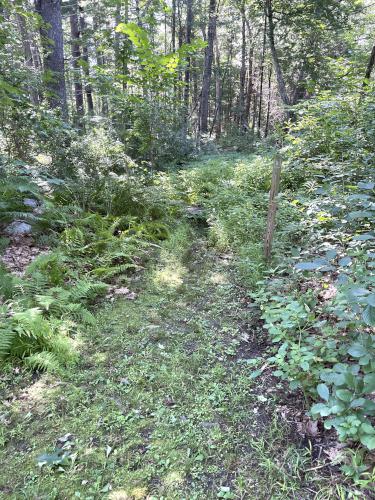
233	190
162	403
95	243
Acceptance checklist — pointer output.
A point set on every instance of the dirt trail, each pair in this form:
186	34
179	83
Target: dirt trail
163	404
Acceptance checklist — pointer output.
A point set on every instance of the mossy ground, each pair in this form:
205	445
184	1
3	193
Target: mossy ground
162	404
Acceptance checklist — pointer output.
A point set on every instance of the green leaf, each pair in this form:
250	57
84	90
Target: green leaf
367	428
364	237
360	214
255	374
358	403
320	409
366	185
345	261
368	441
371	300
344	395
309	266
369	316
323	391
369	380
357	350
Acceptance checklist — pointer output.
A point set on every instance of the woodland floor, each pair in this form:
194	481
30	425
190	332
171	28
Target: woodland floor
162	404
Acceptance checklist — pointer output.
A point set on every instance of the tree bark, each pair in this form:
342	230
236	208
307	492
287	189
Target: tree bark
219	92
262	76
189	28
275	58
266	130
53	52
28	54
76	56
241	98
208	67
86	65
370	67
173	26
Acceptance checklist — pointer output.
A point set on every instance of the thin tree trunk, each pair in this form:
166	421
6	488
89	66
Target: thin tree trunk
100	61
76	56
86	65
219	92
53	52
189	28
173	27
28	54
370	67
269	102
275	58
241	99
250	87
262	75
208	67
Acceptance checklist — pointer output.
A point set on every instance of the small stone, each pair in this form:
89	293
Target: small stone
18	228
30	202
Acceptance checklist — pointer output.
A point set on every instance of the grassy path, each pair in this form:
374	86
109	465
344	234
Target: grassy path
162	405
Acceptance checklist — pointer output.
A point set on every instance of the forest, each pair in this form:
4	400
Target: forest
187	249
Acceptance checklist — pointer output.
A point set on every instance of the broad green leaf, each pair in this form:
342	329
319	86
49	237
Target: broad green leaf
369	316
323	391
360	214
344	395
345	261
366	185
357	350
320	409
368	441
364	237
369	380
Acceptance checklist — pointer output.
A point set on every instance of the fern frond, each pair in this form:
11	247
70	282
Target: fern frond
42	361
7	338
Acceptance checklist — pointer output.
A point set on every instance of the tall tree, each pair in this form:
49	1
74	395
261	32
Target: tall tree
53	52
370	67
206	84
189	28
269	12
241	98
86	62
76	60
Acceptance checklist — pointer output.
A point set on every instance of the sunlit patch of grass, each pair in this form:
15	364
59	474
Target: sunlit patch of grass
172	275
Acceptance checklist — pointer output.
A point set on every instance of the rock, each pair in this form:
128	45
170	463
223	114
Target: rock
30	202
18	228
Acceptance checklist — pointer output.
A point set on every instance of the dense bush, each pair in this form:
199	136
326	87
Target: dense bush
320	309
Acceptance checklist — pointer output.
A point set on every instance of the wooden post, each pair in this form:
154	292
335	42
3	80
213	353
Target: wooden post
272	209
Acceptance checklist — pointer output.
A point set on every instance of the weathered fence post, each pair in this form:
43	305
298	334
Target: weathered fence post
272	209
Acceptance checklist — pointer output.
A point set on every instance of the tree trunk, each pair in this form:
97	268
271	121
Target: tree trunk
53	52
189	27
275	58
262	76
28	54
219	93
76	56
208	67
173	26
241	98
370	67
269	102
86	65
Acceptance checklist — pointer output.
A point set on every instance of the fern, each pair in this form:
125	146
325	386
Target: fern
80	314
7	338
42	361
